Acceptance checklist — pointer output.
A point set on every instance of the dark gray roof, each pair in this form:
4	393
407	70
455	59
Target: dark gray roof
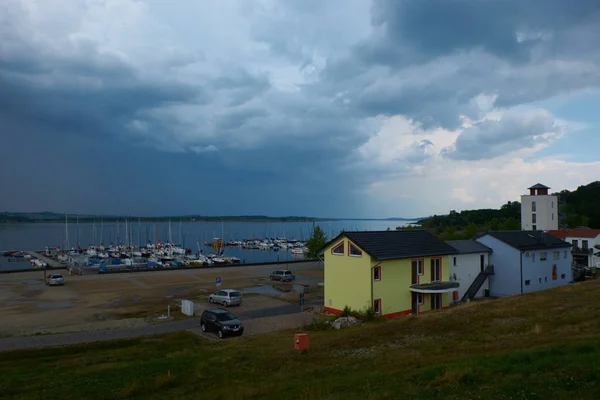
539	186
388	245
468	246
529	240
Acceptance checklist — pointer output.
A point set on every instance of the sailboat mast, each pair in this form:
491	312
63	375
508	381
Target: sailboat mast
222	238
101	232
139	232
77	233
66	232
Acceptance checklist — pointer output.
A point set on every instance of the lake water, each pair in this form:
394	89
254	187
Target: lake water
37	236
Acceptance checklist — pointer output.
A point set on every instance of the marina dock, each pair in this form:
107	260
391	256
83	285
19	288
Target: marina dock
51	263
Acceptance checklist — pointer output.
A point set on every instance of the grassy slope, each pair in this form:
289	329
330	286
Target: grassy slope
484	350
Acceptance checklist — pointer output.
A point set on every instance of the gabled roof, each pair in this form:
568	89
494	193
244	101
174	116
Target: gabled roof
578	232
529	240
468	246
539	186
389	245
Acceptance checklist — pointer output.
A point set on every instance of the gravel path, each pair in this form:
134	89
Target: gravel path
30	342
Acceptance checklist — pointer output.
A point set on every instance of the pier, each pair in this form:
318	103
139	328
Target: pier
51	263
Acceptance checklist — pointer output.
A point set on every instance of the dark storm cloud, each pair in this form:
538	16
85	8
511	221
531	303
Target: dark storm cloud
428	59
83	97
244	133
430	28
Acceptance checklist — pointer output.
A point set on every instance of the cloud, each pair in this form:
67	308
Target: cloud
513	131
321	100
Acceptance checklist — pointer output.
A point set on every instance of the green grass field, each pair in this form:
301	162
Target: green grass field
537	346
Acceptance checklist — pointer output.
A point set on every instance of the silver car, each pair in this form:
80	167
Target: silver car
226	297
55	280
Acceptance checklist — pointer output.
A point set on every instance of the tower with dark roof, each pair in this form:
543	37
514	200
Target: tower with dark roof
539	209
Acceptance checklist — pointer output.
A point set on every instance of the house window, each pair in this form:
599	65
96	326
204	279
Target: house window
436	301
416	271
540	280
535	227
552	216
543	256
556	255
545	279
420	298
338	250
436	269
354	251
584	244
565	254
527	282
562	276
552	204
454	261
533	206
532	257
377	273
534	218
575	243
377	306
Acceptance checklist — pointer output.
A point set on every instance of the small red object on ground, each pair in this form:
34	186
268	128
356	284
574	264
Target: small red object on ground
301	341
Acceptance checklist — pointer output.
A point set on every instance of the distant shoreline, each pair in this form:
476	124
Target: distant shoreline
24	218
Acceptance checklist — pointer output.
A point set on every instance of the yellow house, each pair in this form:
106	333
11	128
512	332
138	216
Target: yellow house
395	272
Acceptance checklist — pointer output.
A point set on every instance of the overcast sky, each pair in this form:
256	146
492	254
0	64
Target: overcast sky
337	108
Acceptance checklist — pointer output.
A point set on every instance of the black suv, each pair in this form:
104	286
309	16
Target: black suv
221	321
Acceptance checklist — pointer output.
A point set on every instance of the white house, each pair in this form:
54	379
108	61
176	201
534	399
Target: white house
466	265
586	245
526	261
539	210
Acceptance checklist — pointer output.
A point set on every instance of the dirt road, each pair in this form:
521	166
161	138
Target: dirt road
279	318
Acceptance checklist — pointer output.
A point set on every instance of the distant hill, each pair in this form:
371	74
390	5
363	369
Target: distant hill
47	216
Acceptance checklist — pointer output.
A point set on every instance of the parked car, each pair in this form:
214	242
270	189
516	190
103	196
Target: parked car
221	321
55	280
283	275
226	297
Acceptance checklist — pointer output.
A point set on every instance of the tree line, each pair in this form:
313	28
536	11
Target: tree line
581	207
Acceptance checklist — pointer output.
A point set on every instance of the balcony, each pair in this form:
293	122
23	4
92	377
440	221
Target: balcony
581	251
435	287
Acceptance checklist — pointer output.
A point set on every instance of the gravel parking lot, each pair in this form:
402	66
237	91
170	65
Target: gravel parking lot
134	300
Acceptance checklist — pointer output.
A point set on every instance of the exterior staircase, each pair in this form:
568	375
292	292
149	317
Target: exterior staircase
476	285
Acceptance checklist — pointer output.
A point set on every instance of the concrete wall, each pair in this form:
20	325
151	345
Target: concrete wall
546	212
466	270
537	273
506	280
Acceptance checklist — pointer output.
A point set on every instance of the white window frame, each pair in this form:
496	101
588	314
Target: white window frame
335	247
378	269
437	268
350	246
